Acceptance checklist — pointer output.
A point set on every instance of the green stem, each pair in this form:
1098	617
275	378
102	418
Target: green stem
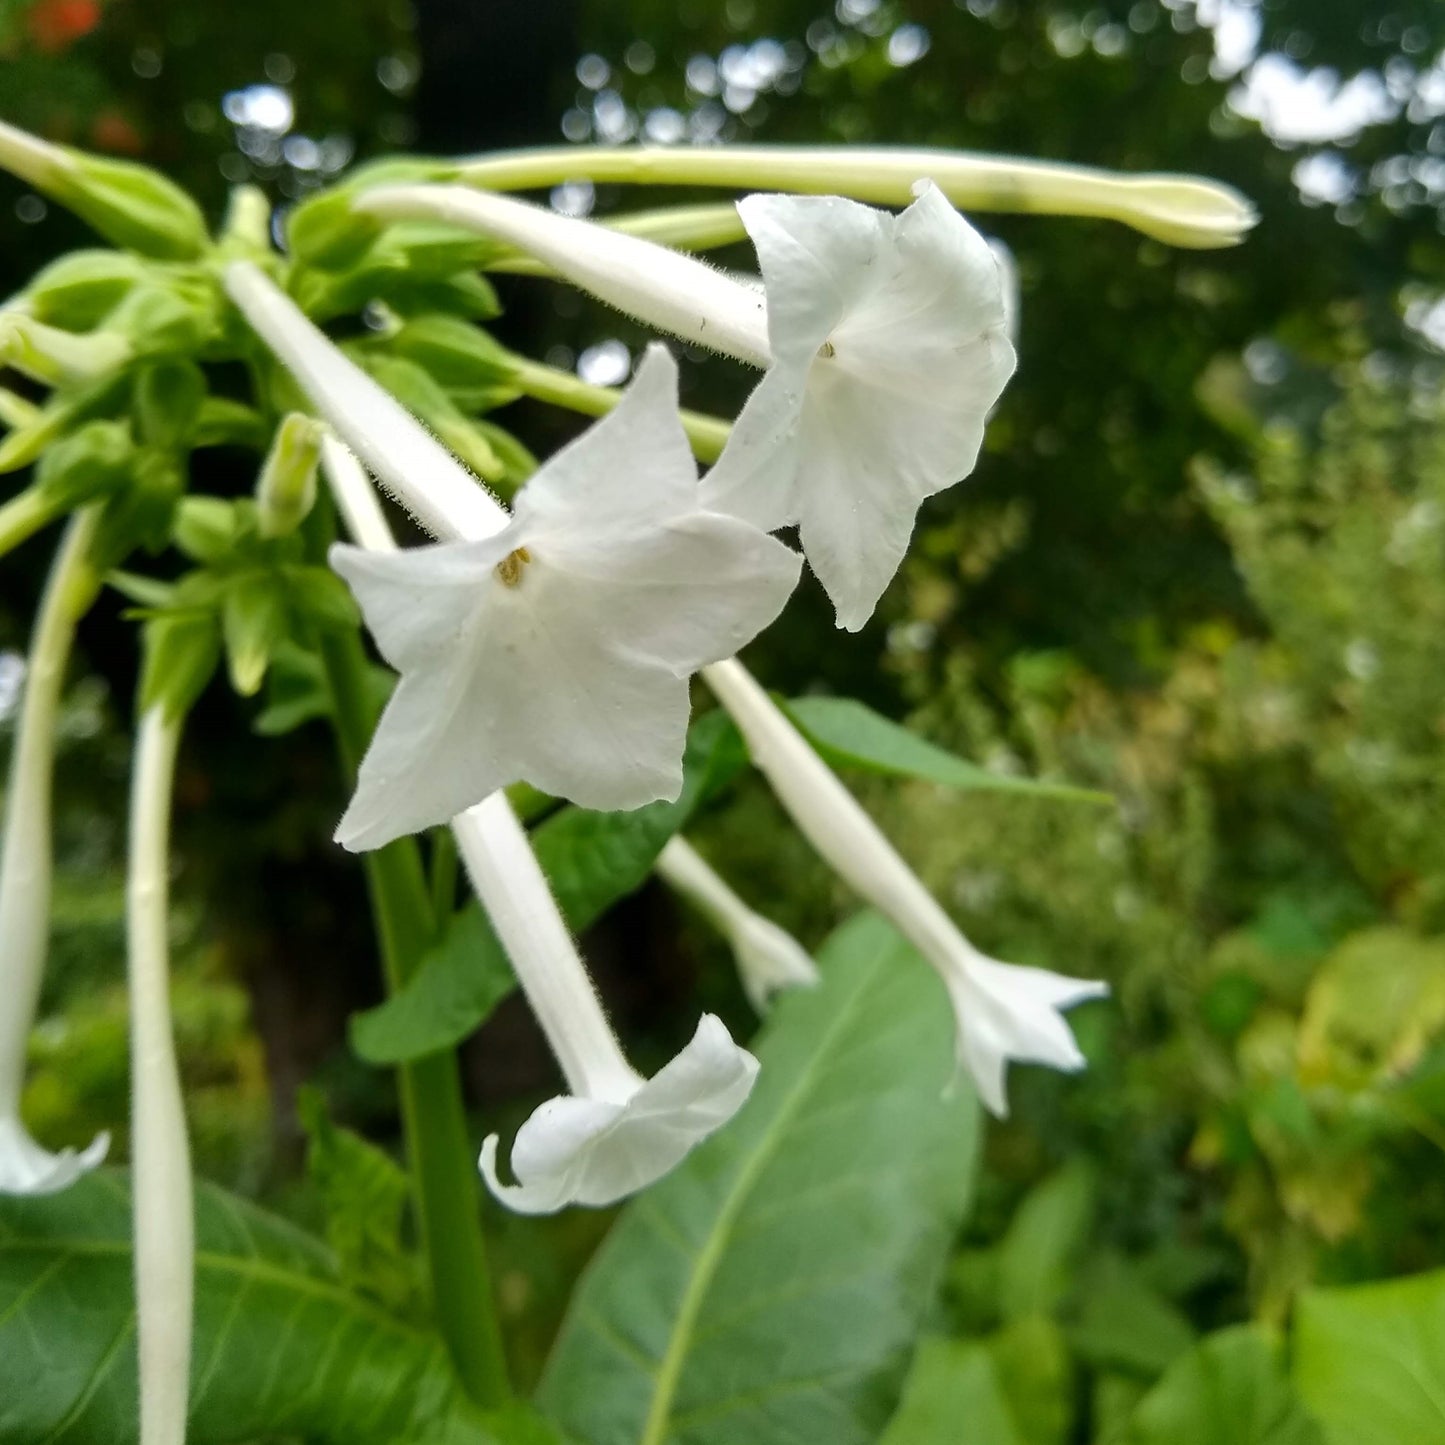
436	1125
547	383
23	516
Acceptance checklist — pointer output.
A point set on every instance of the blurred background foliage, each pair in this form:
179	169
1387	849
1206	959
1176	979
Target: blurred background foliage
1200	566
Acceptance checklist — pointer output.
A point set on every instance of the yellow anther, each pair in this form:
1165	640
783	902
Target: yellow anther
509	569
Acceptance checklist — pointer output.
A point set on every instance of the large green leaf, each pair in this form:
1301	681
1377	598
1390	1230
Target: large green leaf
591	860
1369	1361
281	1346
952	1397
1045	1236
769	1291
1230	1389
849	733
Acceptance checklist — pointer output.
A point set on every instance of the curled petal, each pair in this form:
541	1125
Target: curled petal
1009	1012
26	1168
594	1151
771	959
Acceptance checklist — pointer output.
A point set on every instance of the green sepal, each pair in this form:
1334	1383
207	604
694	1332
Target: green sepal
253	621
324	231
459	356
425	399
517	462
167	399
132	206
320	598
181	651
92	461
226	423
141	514
78	291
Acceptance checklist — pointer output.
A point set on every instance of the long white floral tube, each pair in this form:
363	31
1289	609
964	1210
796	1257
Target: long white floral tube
26	864
769	958
1002	1011
1180	210
422	474
615	1132
676	293
161	1187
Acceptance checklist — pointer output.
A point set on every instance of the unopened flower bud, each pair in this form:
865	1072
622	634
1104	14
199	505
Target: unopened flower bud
129	204
89	463
59	358
286	489
78	291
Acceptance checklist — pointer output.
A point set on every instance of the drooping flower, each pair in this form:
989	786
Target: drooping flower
615	1132
554	645
26	865
890	348
885	345
1002	1012
769	958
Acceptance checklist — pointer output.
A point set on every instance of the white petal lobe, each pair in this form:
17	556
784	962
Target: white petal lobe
594	1152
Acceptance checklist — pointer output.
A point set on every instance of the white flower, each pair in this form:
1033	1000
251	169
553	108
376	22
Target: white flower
615	1133
886	346
25	866
26	1168
769	958
1001	1011
597	1151
559	650
890	348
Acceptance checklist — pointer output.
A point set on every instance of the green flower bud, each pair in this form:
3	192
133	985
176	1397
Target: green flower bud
286	490
181	653
59	358
246	230
129	204
164	320
95	460
207	528
167	402
79	290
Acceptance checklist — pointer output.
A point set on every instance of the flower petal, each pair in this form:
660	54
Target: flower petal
584	1151
26	1168
756	477
818	255
1008	1012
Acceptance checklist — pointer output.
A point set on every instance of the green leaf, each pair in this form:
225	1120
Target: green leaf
1036	1372
1044	1238
1124	1322
848	733
364	1195
769	1290
952	1397
296	690
281	1346
1230	1389
1369	1361
591	860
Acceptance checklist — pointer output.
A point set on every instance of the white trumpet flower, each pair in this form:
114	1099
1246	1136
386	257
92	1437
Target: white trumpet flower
884	339
769	958
890	348
615	1132
552	646
1002	1011
25	867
